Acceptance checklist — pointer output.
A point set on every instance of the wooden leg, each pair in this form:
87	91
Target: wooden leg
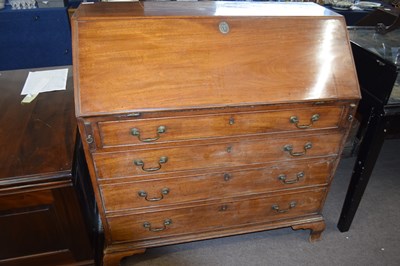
316	229
114	259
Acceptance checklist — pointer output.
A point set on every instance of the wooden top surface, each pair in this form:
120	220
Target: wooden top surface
36	139
174	57
198	9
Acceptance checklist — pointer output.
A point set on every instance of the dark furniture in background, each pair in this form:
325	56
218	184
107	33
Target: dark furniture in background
43	217
364	17
377	59
378	16
351	16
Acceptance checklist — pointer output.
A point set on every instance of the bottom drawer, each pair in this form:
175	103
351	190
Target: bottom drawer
203	218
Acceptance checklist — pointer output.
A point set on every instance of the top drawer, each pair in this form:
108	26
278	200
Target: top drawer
135	132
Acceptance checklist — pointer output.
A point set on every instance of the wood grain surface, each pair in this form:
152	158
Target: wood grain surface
143	63
39	137
223	81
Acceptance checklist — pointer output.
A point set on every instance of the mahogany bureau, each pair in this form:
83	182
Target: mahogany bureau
209	119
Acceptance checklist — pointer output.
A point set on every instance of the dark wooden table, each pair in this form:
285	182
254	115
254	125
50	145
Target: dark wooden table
379	109
41	218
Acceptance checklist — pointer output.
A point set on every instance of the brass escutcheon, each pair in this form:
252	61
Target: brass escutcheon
223	27
223	208
89	139
227	177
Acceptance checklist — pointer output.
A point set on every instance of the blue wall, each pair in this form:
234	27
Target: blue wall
33	38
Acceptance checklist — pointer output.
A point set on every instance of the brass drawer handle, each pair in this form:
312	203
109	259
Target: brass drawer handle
166	223
295	120
276	208
289	148
144	195
282	178
161	129
162	160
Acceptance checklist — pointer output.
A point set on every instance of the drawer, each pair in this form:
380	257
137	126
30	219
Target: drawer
27	200
184	189
224	215
229	154
134	132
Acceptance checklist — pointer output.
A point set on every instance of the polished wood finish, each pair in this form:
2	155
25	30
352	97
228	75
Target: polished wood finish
191	133
210	74
226	154
225	214
30	141
40	215
117	133
213	186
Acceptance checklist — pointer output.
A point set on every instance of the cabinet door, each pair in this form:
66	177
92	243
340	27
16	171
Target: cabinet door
44	227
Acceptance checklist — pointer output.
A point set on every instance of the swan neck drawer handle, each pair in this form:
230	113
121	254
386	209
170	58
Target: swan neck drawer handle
283	177
151	229
276	208
162	160
289	149
136	132
295	120
144	195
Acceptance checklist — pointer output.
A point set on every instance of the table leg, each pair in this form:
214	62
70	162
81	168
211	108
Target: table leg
370	147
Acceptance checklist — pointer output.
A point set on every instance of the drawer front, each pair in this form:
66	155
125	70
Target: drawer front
26	200
252	152
214	217
134	132
175	190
